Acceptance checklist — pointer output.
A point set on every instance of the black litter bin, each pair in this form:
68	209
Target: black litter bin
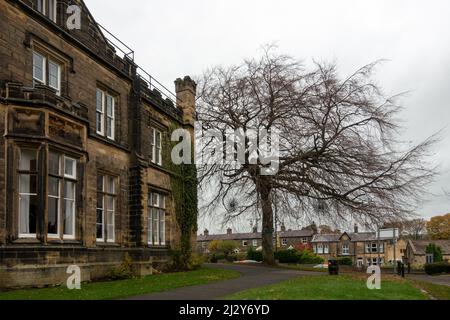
333	267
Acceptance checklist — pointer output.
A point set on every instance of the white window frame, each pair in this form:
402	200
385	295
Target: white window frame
156	148
345	249
46	72
326	249
25	235
159	206
44	4
320	248
58	235
43	67
74	168
304	240
71	236
107	180
245	243
104	117
111	117
58	76
100	112
284	242
255	243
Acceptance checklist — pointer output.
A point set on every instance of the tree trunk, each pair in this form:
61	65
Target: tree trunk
267	226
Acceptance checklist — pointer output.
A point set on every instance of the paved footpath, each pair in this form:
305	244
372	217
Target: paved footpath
251	277
442	280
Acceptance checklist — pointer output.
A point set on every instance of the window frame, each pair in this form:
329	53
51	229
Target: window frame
43	6
160	208
255	243
58	76
155	147
63	179
245	243
105	193
47	59
104	116
284	242
20	173
345	249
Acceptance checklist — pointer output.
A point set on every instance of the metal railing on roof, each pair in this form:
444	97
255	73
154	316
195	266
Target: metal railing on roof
152	83
123	48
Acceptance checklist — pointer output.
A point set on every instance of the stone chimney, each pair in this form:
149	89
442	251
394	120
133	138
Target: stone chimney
283	228
255	229
206	232
186	90
229	231
356	228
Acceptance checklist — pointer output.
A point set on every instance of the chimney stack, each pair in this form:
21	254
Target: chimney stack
206	232
283	228
356	228
255	229
229	231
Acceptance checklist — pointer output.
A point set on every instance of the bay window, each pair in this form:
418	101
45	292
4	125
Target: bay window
62	182
28	194
106	208
156	219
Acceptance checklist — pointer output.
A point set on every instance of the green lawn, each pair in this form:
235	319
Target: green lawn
343	287
123	288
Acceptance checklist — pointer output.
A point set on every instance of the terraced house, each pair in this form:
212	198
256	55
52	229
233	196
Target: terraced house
363	248
85	170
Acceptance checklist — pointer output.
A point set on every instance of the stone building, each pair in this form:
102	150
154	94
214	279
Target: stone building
283	239
417	256
85	170
363	248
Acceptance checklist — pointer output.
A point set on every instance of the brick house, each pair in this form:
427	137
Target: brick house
416	252
364	248
84	163
284	239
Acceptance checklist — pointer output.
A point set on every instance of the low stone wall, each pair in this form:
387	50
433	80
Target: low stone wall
25	267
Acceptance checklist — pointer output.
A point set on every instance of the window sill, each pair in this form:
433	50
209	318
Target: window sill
107	245
26	241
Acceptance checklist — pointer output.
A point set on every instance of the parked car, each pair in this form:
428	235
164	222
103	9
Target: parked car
333	267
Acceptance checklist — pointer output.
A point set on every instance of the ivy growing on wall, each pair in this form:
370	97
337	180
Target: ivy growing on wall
184	192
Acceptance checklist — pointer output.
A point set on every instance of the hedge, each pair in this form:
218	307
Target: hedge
254	255
437	268
345	261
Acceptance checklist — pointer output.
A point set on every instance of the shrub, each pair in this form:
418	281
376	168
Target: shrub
345	261
437	268
213	258
308	257
122	271
254	255
196	262
287	256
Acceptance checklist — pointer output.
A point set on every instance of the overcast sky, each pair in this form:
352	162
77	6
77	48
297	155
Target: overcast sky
178	37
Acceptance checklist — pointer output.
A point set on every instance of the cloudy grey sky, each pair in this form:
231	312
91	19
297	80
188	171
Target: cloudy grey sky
176	38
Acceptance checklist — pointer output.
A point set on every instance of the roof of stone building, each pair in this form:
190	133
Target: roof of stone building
419	246
258	235
354	237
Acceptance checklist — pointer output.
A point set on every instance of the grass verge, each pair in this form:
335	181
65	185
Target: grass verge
343	287
124	288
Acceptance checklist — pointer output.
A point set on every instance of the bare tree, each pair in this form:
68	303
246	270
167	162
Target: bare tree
339	156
